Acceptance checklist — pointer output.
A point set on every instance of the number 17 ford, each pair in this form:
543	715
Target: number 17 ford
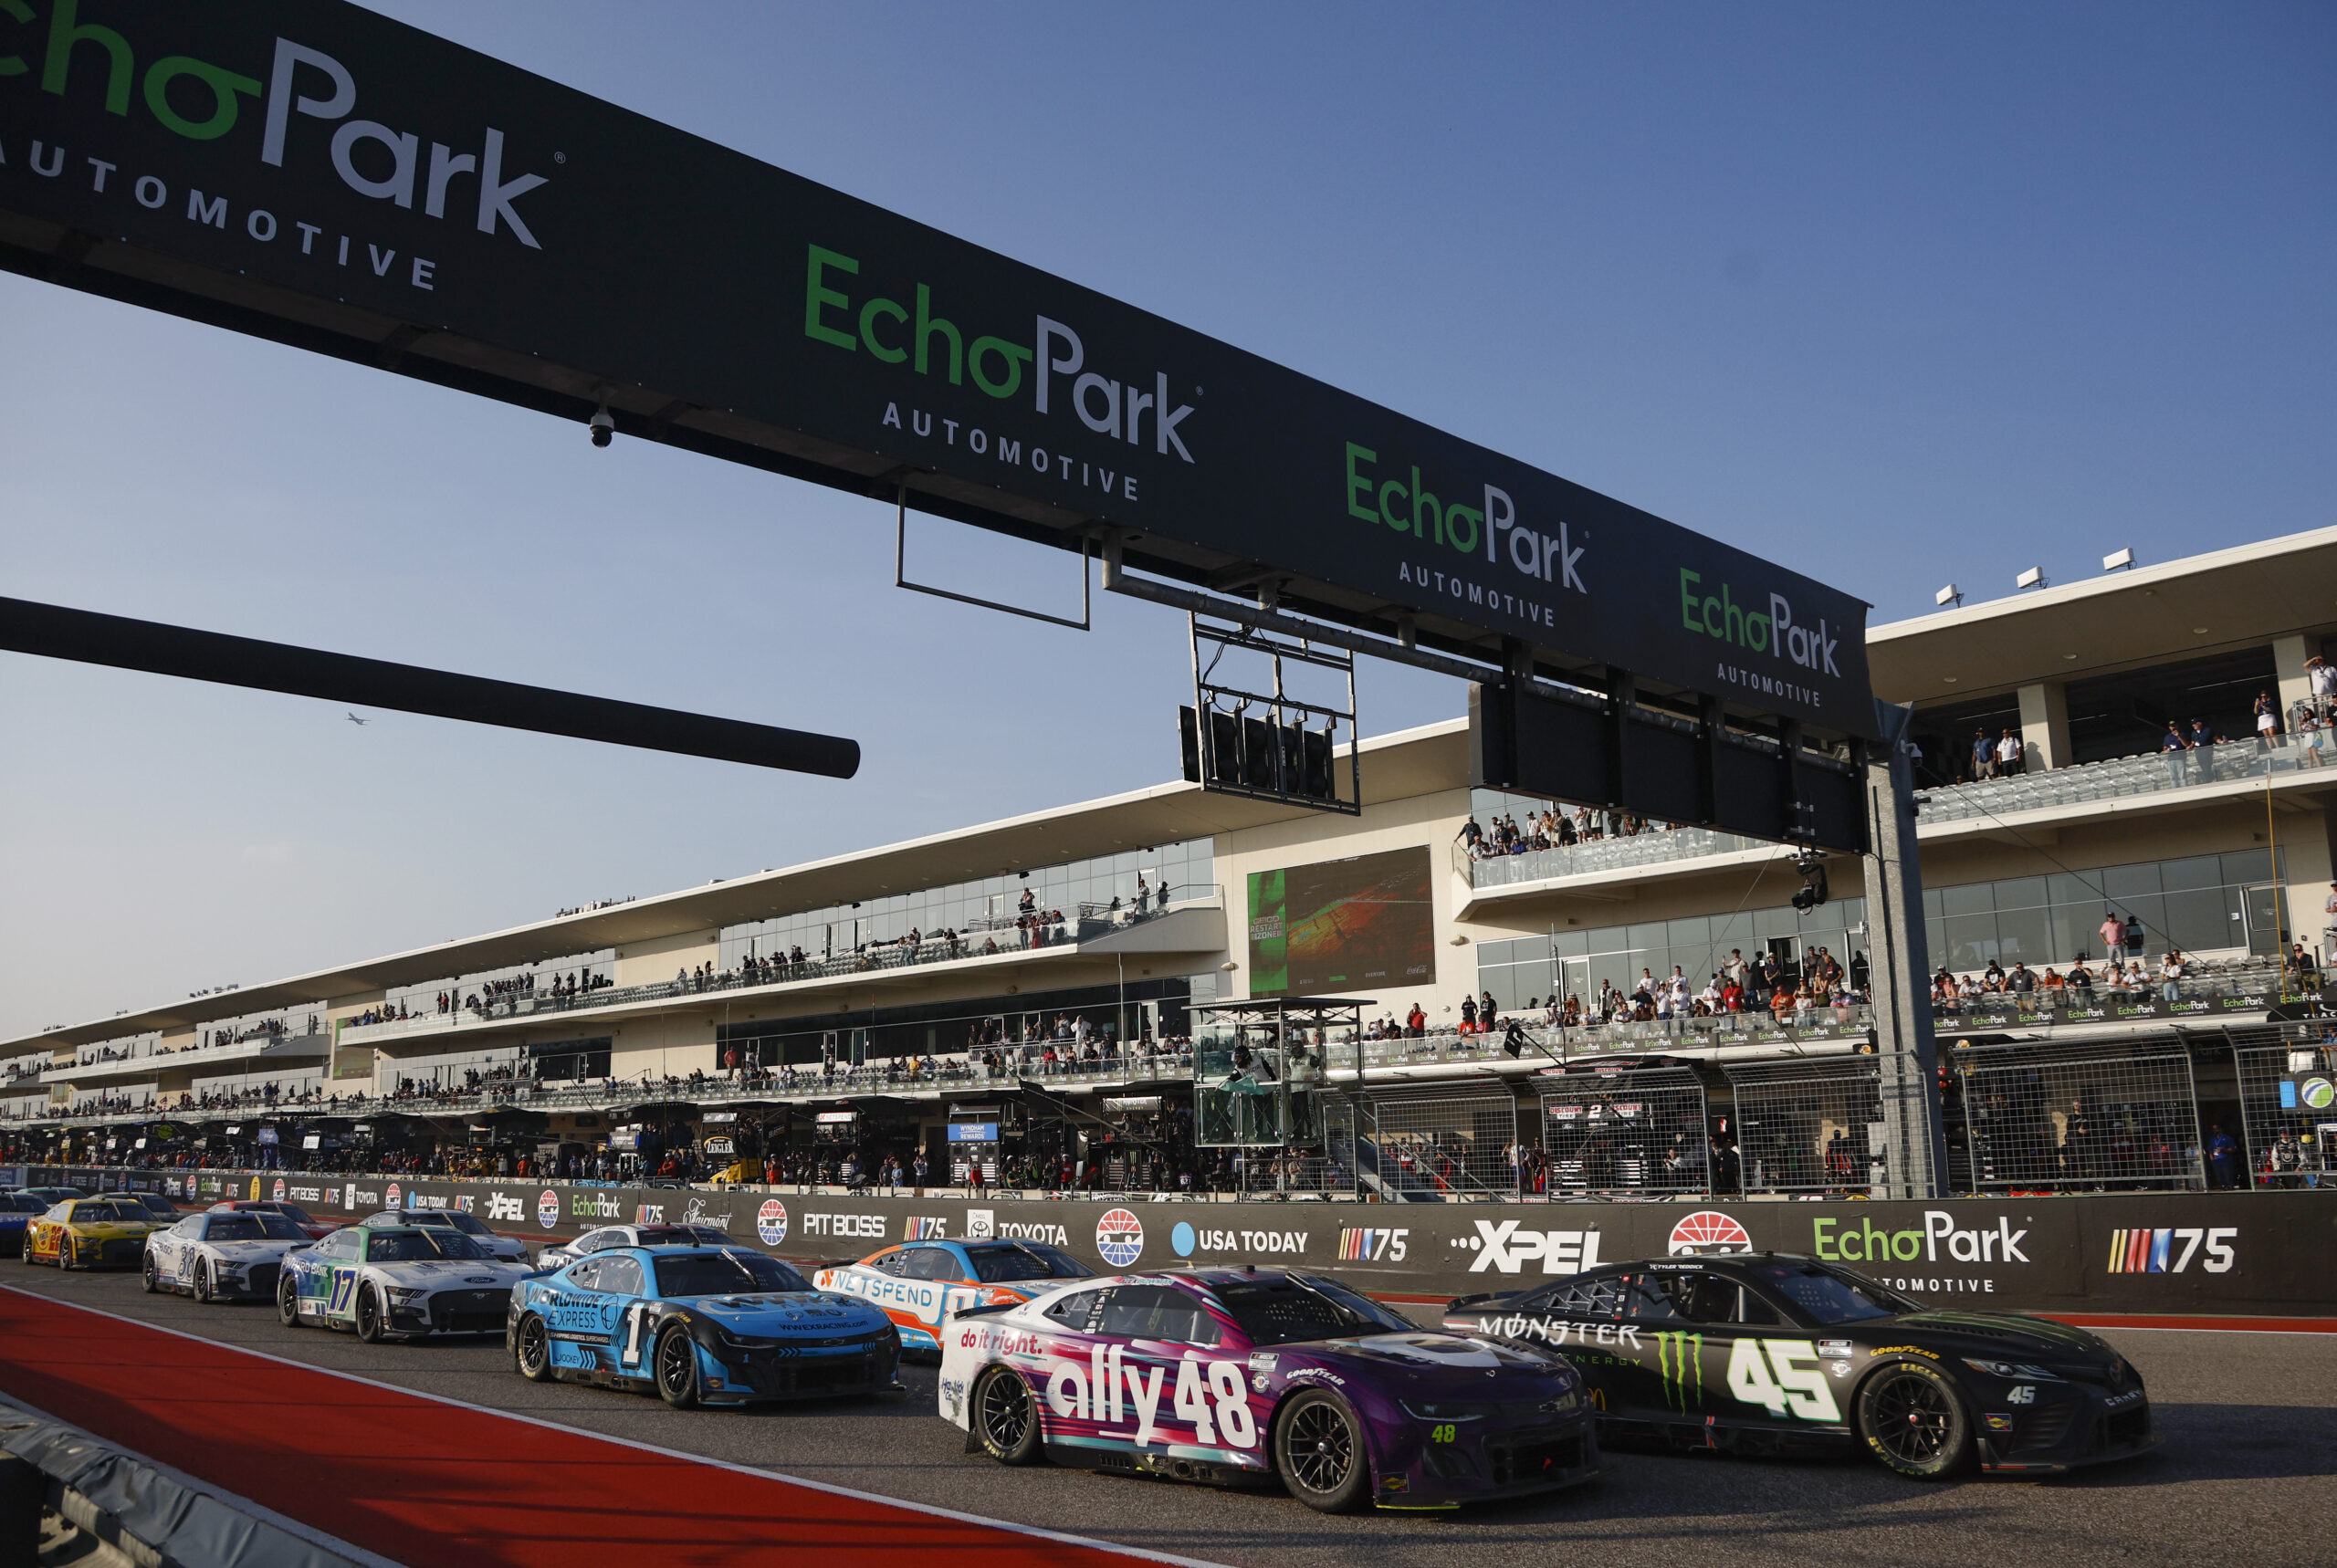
1239	1377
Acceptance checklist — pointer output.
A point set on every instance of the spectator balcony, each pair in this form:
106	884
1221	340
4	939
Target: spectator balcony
239	1055
1193	922
2155	782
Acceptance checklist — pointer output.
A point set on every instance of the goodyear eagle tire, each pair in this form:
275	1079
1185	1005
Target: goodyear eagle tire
531	1349
150	1278
1320	1453
1915	1422
1006	1418
287	1301
203	1279
675	1367
370	1315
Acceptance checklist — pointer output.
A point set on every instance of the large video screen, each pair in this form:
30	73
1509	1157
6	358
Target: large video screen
1359	924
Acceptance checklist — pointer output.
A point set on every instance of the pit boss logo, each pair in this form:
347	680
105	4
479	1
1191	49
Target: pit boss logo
470	179
1496	560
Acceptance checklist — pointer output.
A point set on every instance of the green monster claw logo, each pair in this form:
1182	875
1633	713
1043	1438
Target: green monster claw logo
1681	1356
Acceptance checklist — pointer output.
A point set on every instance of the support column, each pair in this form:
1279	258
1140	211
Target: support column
1915	1151
2045	726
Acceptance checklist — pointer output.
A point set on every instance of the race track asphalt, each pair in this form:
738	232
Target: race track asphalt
2243	1476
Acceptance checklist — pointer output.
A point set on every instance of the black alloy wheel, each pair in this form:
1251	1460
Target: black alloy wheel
677	1357
531	1349
1319	1453
1006	1418
150	1278
1915	1422
369	1315
287	1301
203	1279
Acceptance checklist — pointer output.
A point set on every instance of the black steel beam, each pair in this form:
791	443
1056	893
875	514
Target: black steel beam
85	636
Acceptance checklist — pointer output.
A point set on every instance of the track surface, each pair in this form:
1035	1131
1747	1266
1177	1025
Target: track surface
2249	1419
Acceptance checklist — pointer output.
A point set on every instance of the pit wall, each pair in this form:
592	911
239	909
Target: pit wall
2265	1253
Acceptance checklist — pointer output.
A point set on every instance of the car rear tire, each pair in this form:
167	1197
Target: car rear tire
370	1315
1321	1455
287	1301
203	1279
677	1367
150	1278
531	1349
1915	1422
1006	1418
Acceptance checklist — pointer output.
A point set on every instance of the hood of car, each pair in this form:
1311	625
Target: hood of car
1424	1355
252	1251
781	1312
110	1229
1997	1335
450	1272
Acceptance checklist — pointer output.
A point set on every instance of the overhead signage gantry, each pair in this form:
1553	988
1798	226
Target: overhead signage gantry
318	174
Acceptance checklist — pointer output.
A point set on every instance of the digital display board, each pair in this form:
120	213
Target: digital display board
1365	924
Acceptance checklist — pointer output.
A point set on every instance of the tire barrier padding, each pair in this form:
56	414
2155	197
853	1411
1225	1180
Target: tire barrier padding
2214	1253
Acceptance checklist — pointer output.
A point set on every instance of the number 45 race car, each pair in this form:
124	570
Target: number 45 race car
1766	1352
1242	1376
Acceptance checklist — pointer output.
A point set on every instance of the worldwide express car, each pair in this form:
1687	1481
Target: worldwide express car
1241	1376
90	1233
916	1284
697	1325
397	1282
1762	1352
221	1257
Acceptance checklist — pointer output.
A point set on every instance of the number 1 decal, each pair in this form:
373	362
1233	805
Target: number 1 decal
633	1315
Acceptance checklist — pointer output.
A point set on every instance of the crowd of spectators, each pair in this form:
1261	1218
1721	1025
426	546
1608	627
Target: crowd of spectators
1552	828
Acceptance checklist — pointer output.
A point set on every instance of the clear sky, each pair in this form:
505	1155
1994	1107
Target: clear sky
1895	295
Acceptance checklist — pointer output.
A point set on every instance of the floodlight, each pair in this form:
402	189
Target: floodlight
2117	558
1950	595
2033	578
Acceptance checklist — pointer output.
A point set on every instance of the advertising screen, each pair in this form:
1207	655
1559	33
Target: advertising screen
1360	925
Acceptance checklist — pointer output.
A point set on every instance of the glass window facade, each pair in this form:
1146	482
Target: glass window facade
1525	971
2200	904
1186	869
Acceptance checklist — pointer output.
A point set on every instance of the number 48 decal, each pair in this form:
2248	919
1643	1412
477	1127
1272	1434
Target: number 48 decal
1802	1389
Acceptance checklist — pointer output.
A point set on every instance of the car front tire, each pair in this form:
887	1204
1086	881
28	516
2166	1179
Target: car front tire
531	1349
202	1280
288	1302
676	1357
150	1278
1006	1418
370	1315
1321	1455
1915	1421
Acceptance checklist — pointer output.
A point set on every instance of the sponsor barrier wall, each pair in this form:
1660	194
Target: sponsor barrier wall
2271	1253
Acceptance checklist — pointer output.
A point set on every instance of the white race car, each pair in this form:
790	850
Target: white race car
397	1282
566	1252
221	1257
510	1249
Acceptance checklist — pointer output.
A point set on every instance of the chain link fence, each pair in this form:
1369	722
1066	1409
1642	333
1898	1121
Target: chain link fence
2287	1118
2097	1116
1810	1125
1635	1133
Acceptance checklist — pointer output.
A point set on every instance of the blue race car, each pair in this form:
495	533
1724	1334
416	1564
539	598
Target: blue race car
699	1325
17	1211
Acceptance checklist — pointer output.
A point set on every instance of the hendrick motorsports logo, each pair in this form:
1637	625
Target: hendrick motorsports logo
1120	1236
548	1210
771	1222
1708	1231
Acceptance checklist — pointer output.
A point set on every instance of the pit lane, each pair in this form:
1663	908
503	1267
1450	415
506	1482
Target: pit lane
2250	1420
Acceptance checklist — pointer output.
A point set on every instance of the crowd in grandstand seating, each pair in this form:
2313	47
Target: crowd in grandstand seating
1552	828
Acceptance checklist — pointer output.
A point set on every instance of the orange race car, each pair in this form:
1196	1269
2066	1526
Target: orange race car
919	1282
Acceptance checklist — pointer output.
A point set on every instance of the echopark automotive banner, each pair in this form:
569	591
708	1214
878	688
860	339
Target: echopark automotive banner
265	153
2265	1252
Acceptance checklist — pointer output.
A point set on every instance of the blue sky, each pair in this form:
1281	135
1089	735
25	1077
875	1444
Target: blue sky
1893	295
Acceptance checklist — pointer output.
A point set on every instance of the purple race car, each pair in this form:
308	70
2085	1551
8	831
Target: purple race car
1238	1376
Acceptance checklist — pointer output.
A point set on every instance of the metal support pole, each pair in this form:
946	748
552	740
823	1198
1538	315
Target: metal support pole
1916	1143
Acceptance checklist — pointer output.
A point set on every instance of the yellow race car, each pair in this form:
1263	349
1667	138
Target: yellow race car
90	1233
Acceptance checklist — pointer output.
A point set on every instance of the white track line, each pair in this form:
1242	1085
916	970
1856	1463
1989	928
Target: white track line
932	1509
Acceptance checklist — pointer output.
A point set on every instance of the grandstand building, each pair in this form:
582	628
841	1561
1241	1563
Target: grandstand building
863	1007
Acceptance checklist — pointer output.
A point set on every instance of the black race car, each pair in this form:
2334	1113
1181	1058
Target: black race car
1763	1351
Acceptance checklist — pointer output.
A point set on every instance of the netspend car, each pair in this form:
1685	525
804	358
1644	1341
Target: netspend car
1241	1376
917	1284
221	1257
16	1212
89	1233
699	1325
317	1229
1766	1352
510	1249
560	1254
397	1282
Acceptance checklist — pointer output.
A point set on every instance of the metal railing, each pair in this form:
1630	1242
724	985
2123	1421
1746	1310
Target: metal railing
2119	779
1652	847
996	936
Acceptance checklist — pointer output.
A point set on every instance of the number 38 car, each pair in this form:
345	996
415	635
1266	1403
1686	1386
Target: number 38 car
697	1325
1244	1376
1765	1352
404	1283
221	1256
916	1285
